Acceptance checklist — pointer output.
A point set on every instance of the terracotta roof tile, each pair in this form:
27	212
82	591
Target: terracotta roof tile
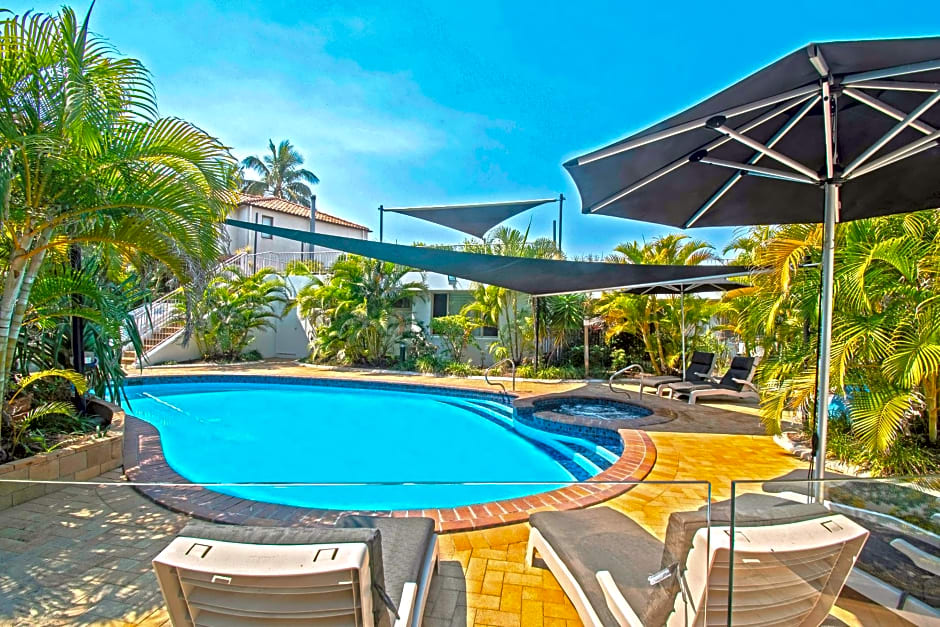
280	205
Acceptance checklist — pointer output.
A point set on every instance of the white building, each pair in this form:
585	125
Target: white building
285	214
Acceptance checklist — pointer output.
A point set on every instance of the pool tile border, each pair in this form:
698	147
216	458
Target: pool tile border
144	462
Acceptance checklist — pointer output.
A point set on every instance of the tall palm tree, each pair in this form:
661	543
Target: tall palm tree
657	320
85	160
281	174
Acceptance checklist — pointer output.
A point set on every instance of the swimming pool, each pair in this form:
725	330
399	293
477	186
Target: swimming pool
268	432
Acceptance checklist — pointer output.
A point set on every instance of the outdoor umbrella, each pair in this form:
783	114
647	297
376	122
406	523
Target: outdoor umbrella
683	288
832	132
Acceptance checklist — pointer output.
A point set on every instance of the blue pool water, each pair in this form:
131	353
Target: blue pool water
236	432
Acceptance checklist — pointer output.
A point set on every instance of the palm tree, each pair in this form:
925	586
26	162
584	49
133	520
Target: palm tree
657	320
886	321
354	312
281	174
232	307
502	307
87	161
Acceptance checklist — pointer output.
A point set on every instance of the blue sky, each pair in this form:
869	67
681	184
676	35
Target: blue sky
443	102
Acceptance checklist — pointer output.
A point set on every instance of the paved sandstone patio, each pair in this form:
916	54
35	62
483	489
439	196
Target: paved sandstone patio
82	555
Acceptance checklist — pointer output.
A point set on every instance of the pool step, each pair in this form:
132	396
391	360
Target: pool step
555	441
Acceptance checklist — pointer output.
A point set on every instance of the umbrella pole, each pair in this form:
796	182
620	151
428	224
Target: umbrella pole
682	307
825	328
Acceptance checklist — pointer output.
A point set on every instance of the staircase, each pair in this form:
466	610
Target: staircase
157	337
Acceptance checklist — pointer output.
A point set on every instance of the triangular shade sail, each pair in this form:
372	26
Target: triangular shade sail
474	219
539	277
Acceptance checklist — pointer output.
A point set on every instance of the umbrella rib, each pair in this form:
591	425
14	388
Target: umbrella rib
649	178
760	170
770	152
630	144
891	134
887	109
894	85
799	115
924	143
888	72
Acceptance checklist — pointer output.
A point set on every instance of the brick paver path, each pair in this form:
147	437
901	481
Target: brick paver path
82	555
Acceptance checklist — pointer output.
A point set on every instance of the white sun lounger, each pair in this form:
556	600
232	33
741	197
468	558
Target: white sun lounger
374	573
613	571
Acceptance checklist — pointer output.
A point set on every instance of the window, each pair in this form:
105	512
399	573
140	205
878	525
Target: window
267	221
439	308
489	331
402	303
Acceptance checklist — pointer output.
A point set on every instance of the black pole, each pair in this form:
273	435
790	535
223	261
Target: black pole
381	223
561	204
78	326
535	301
555	233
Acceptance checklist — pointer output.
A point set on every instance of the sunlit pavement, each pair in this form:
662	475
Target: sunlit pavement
82	555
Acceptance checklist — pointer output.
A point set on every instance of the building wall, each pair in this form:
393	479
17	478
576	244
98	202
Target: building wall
240	239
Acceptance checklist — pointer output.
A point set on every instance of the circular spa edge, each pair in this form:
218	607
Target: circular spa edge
144	462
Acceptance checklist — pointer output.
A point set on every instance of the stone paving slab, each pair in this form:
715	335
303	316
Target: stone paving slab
81	556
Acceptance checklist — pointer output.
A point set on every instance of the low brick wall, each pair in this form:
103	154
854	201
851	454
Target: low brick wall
77	462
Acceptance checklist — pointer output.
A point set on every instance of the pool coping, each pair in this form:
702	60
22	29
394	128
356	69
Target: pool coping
144	462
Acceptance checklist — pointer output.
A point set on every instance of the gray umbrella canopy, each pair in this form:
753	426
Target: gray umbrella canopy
538	277
832	132
475	219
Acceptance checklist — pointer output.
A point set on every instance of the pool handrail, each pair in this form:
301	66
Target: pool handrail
610	381
486	375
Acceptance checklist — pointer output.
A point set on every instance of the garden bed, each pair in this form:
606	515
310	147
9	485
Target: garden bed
85	458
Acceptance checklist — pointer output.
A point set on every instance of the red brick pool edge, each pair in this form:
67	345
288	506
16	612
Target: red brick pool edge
145	463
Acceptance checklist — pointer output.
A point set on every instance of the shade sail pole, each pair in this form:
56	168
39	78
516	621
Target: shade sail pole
381	223
561	205
825	327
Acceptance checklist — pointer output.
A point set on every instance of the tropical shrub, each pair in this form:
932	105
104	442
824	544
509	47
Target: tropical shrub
657	320
504	308
456	332
232	307
886	321
355	313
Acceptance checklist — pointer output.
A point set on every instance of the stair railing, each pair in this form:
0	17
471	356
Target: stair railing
631	367
486	376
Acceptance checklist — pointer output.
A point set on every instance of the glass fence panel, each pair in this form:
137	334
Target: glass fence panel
844	551
106	550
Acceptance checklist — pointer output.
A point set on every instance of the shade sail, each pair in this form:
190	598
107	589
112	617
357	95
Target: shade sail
474	219
539	277
832	132
636	177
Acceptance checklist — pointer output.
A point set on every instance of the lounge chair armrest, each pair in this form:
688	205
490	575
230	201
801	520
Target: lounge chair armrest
707	376
617	605
406	608
746	384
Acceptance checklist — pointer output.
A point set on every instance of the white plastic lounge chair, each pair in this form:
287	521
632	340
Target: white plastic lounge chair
790	564
735	384
700	365
367	571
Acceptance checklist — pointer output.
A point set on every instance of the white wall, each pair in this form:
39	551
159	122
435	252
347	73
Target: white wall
242	238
